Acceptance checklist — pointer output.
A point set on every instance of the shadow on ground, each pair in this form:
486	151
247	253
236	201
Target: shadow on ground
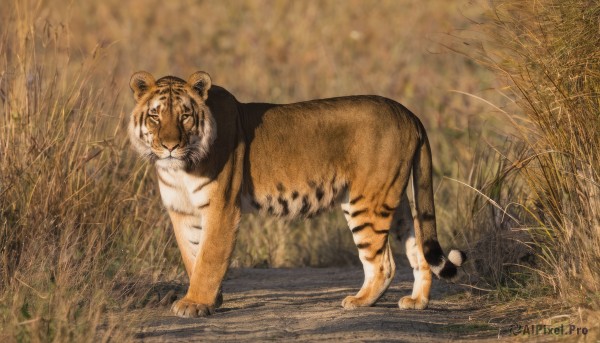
304	305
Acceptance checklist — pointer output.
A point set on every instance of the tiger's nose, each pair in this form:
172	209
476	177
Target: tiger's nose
170	146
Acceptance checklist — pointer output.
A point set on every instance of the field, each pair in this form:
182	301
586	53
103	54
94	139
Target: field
509	96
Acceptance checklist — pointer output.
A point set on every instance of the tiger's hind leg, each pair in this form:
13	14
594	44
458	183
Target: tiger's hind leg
373	198
404	225
370	230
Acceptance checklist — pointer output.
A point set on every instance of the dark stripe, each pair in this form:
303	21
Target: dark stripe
194	110
427	217
269	200
345	212
284	204
197	227
143	118
204	205
355	200
194	243
255	204
195	116
202	186
295	195
360	227
139	118
382	231
388	208
180	129
280	187
320	193
305	205
363	245
357	213
141	124
160	178
383	214
179	211
170	100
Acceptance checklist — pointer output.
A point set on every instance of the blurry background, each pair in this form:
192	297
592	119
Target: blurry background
82	229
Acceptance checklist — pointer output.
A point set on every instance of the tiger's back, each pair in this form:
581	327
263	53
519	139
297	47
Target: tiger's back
332	144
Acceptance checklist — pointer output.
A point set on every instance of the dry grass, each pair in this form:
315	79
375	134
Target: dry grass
74	206
549	55
543	238
79	212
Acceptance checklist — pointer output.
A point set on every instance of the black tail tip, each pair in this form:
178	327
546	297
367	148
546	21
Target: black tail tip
455	259
448	272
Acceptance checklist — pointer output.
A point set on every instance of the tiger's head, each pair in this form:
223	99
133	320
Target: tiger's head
171	124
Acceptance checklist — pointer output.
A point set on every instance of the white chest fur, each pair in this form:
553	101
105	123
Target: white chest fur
186	195
182	192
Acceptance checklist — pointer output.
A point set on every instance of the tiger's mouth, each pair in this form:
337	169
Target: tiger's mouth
165	154
186	155
170	162
156	156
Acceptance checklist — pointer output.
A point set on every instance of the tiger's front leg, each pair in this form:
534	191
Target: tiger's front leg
188	234
219	228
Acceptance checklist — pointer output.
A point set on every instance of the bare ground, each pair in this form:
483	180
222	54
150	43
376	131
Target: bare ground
305	305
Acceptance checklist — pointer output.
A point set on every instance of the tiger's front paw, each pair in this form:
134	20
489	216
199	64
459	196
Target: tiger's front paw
352	302
188	309
408	303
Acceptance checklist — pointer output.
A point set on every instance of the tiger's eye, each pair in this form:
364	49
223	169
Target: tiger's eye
153	117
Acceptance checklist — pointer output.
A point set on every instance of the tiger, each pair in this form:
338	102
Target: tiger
217	158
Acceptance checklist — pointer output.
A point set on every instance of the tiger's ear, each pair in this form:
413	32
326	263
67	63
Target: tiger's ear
200	82
140	83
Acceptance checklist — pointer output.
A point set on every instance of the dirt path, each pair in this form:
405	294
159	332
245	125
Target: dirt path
304	305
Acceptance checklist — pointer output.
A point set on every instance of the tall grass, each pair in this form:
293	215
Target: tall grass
548	54
74	205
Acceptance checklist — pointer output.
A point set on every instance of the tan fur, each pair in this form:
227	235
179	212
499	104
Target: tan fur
216	157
